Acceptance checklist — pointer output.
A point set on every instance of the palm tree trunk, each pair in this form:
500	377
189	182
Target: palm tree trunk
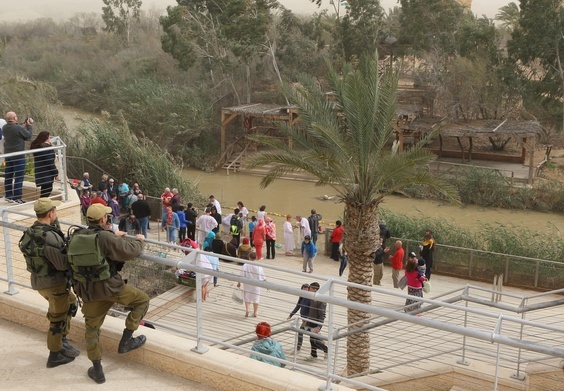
361	228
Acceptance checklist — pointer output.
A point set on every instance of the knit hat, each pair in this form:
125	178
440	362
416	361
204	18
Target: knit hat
263	330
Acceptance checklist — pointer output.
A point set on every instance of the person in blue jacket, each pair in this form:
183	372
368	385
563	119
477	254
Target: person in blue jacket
309	251
268	346
183	223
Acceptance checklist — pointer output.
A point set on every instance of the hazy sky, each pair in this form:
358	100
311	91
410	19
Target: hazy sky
63	9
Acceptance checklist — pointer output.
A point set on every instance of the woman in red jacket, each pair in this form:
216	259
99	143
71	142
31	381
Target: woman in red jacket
336	237
259	236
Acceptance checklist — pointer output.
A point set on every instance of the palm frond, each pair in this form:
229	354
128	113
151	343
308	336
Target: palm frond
344	142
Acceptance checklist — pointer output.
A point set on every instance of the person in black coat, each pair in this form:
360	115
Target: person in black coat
44	162
191	215
130	225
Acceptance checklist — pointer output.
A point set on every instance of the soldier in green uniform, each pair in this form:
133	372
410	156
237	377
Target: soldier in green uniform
101	286
43	246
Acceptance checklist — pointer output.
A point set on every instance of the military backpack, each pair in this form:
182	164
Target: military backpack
32	244
86	259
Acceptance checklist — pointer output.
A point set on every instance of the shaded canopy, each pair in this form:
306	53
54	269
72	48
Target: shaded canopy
477	128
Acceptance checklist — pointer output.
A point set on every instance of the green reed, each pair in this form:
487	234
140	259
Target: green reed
117	150
488	188
503	239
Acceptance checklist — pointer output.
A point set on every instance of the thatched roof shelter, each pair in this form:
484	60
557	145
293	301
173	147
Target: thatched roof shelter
489	128
498	132
249	112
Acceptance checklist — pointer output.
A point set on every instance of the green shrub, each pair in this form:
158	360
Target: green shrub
118	150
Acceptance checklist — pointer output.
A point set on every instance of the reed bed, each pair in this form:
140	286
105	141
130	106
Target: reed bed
498	238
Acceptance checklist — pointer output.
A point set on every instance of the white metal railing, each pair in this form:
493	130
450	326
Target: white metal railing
539	273
451	167
461	324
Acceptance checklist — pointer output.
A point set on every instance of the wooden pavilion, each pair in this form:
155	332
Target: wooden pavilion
496	132
251	112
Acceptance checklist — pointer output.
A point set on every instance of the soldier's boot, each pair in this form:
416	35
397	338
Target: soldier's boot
68	349
128	343
96	372
57	358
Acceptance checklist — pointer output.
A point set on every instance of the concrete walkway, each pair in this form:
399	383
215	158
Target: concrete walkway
23	354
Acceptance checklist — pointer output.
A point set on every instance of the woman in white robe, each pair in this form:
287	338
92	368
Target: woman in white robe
289	243
251	293
202	261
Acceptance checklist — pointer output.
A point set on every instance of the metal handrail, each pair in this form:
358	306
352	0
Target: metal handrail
237	159
466	166
494	334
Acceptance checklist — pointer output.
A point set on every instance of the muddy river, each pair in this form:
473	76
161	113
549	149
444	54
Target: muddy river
299	197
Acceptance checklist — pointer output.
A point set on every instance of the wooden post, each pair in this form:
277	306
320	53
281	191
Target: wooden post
532	162
222	131
224	122
294	118
461	147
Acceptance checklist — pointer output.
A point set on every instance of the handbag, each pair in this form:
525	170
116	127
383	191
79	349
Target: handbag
426	287
402	283
237	296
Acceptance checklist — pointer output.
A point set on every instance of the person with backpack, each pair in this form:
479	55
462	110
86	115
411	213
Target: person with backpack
236	225
43	247
96	256
313	221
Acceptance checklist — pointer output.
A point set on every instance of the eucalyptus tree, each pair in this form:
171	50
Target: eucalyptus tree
219	35
118	14
344	143
357	28
537	47
431	24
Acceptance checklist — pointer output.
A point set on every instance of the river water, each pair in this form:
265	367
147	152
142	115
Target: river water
299	197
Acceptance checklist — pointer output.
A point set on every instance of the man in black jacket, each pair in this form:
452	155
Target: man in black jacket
379	256
130	225
142	211
191	215
316	317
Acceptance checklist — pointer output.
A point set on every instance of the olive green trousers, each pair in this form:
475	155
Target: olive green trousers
60	299
95	312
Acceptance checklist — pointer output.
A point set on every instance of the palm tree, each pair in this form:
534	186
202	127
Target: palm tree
509	16
344	143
